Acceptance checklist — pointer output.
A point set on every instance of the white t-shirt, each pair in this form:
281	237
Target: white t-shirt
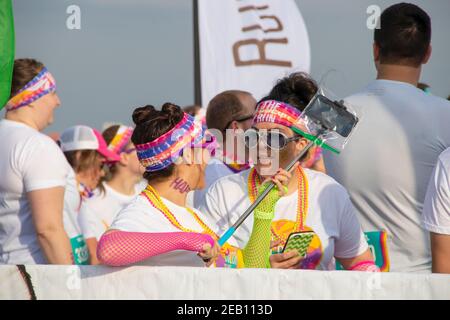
330	215
71	212
140	216
436	210
29	160
98	212
72	204
387	164
215	170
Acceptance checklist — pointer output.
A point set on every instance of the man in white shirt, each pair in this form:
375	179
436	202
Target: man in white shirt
436	214
388	162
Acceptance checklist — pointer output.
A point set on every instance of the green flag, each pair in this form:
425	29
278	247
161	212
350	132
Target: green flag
6	50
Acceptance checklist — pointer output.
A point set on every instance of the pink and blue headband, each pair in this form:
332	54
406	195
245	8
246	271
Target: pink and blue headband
40	85
273	111
165	150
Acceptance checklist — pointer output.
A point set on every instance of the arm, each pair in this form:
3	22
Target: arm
440	248
363	262
92	248
257	251
351	248
120	248
47	207
436	214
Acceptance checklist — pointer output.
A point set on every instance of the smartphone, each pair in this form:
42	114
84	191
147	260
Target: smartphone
299	241
333	115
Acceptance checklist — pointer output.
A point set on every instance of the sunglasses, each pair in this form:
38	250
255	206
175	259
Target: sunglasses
245	118
275	140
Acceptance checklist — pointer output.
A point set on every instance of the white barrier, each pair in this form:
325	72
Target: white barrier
94	282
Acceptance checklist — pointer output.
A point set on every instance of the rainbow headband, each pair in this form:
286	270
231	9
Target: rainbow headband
121	139
40	85
165	150
273	111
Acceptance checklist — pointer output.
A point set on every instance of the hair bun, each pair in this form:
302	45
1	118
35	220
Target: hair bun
143	114
171	109
172	112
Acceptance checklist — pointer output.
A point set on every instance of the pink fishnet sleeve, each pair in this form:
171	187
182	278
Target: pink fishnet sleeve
120	248
368	266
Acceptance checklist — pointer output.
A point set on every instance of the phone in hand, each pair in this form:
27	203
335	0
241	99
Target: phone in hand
299	241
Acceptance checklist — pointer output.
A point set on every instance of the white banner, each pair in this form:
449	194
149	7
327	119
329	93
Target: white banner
99	282
249	44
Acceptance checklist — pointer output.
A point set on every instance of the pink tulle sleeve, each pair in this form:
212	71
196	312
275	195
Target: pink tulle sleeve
120	248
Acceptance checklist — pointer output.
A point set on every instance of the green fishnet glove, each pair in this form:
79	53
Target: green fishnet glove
257	251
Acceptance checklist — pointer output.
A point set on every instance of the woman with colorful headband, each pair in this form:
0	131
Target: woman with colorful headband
315	205
116	190
86	151
33	172
157	228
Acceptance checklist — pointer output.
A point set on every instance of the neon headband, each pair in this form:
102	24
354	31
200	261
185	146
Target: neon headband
121	139
273	111
40	85
165	150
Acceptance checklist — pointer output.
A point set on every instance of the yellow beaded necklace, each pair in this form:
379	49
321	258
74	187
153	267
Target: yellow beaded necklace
254	182
156	202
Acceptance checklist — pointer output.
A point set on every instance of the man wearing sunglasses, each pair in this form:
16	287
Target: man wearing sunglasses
228	116
314	208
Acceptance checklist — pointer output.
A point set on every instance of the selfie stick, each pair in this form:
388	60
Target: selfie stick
227	235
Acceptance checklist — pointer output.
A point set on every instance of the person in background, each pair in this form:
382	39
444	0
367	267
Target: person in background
197	112
436	214
228	112
117	189
86	152
387	164
33	172
424	87
314	160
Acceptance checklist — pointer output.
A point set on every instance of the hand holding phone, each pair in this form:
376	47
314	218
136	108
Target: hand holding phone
299	241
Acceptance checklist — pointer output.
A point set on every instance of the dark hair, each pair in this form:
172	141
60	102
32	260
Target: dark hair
404	35
24	71
150	125
111	169
423	86
224	108
192	110
297	89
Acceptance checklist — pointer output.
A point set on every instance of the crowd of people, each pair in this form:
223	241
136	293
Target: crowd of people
163	192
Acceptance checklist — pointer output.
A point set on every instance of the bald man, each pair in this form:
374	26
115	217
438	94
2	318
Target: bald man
229	115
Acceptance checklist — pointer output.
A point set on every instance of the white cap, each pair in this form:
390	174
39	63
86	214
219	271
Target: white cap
85	138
